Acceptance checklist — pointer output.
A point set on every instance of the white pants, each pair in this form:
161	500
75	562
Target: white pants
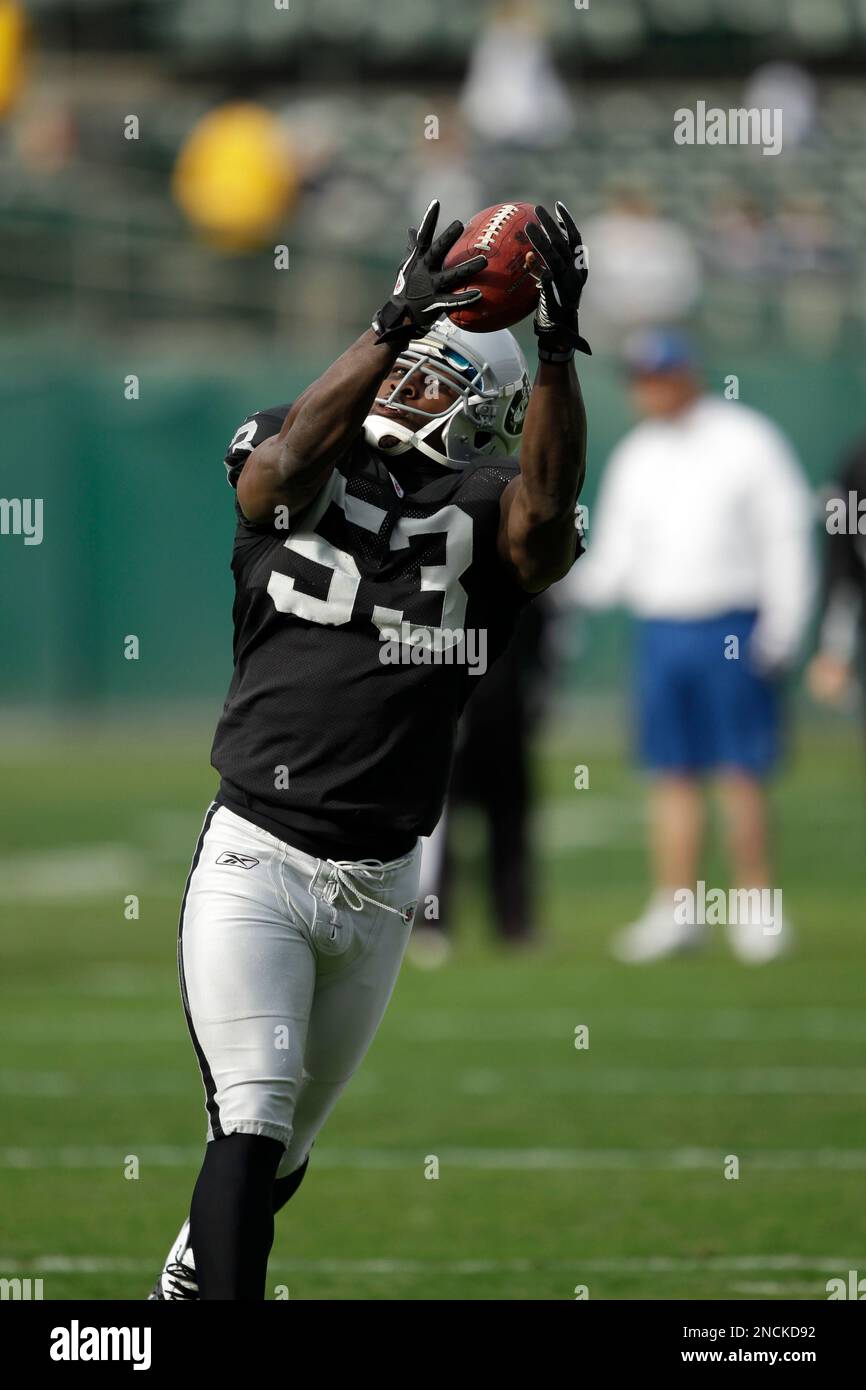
284	980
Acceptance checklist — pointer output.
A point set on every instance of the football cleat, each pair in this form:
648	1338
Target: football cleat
177	1279
657	935
752	945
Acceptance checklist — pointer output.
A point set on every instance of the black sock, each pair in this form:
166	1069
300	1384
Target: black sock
232	1216
284	1188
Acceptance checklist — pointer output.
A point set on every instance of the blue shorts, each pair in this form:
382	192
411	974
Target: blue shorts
697	709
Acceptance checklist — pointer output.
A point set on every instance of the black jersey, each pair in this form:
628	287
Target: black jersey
843	600
356	634
845	566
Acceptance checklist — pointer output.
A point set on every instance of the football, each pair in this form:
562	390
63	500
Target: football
508	290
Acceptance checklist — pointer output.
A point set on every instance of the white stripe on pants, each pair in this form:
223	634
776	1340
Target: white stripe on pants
283	991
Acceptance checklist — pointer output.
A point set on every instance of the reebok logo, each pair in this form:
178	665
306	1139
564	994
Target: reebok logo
240	861
77	1343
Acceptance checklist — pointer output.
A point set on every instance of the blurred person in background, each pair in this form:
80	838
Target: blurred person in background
788	88
513	95
804	239
813	268
702	529
736	238
514	102
491	771
832	673
440	166
646	265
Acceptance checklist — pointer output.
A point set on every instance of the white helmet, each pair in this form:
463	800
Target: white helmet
489	373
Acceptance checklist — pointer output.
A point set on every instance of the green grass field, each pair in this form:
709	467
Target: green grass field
558	1167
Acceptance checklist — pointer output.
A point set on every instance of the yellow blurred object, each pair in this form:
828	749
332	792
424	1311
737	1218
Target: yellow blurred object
236	176
13	28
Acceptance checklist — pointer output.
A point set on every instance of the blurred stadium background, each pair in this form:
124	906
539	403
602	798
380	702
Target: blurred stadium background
153	154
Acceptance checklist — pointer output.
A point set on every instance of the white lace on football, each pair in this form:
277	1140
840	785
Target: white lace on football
491	229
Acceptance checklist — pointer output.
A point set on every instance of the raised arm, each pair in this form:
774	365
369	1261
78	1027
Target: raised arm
289	469
537	536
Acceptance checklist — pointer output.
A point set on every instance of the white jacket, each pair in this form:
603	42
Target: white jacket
699	515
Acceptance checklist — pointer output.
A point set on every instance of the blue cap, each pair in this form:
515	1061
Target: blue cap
658	350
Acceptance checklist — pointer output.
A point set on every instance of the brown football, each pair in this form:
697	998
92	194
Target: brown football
508	290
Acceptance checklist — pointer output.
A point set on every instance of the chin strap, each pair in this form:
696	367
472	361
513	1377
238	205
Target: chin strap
378	427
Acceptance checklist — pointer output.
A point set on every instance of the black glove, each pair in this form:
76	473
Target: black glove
423	290
560	282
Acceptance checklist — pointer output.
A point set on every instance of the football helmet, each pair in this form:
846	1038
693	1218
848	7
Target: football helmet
487	370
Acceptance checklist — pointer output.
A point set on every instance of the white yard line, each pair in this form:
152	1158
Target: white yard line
709	1024
580	1265
476	1158
58	875
27	1084
574	823
587	1079
768	1288
580	1079
163	1020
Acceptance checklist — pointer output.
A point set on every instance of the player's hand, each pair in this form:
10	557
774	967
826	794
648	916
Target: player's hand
423	290
561	278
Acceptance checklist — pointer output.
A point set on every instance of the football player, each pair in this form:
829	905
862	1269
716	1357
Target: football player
380	520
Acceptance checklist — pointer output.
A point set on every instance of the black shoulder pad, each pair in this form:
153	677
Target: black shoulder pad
254	429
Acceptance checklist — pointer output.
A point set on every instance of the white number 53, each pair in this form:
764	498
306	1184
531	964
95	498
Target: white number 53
337	608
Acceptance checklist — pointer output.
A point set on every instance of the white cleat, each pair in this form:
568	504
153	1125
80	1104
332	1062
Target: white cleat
752	944
656	936
178	1278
